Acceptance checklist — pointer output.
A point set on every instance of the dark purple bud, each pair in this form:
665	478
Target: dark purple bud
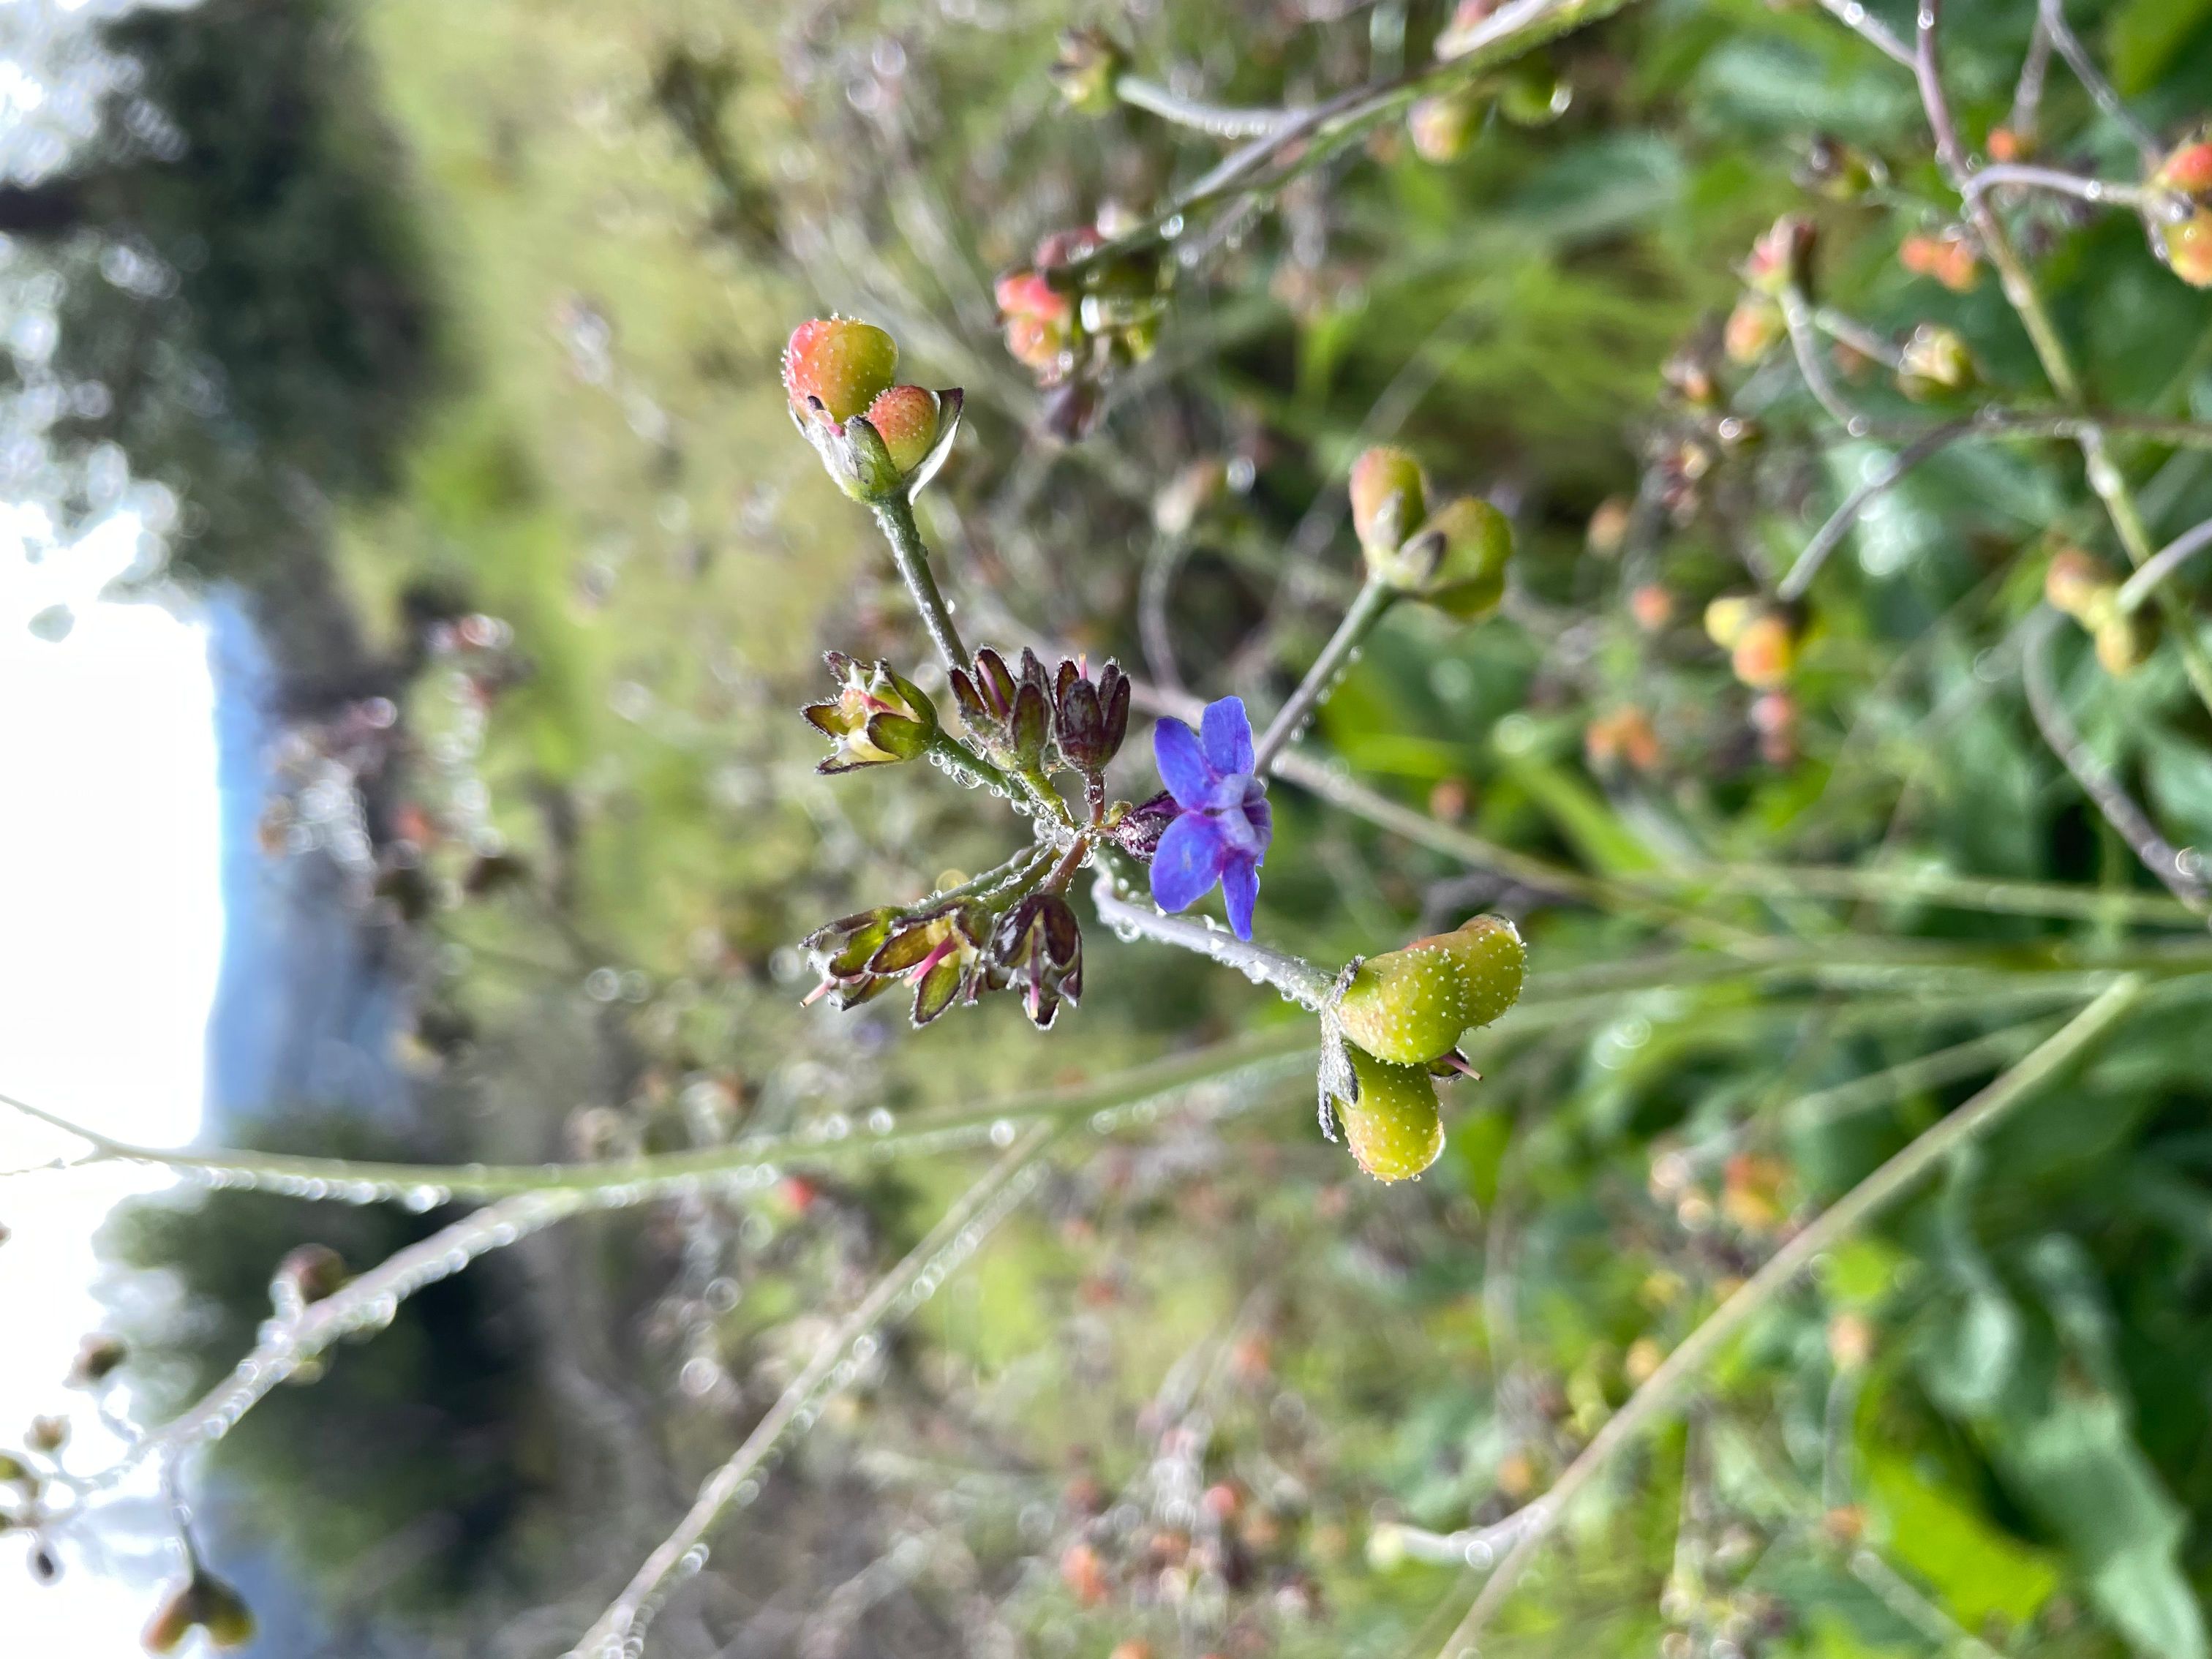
1113	699
995	683
1038	946
972	711
1138	832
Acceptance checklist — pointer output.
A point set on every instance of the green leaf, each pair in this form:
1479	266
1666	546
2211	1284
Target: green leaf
2146	36
1975	1568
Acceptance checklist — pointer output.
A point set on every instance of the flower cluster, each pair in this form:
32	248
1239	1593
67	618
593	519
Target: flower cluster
1080	312
1043	736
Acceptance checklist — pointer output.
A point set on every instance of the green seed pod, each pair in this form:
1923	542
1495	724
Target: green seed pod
1457	562
1394	1130
1410	1006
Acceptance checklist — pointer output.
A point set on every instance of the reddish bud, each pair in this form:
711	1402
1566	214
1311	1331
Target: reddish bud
1752	329
906	418
1388	497
840	362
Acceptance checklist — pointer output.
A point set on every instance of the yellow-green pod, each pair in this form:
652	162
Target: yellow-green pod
1394	1131
1409	1007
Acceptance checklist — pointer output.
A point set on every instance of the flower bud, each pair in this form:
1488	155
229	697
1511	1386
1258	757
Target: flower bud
1388	498
2076	583
203	1602
1781	258
877	718
1752	329
1038	945
97	1358
312	1272
2187	168
1456	563
1442	125
838	362
1089	62
1393	1128
1090	721
1949	259
1727	617
1409	1007
1934	362
47	1434
1765	652
906	418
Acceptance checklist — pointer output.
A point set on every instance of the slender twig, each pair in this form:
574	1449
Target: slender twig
1830	536
911	554
1368	608
1652	1402
1863	23
1294	977
364	1303
1805	345
2105	192
1857	336
1516	28
1215	120
753	1162
2027	94
2162	564
1989	895
835	1364
2052	18
2132	824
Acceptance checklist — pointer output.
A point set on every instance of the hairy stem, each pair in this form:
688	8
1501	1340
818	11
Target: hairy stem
1657	1396
1294	977
911	554
1368	608
1215	120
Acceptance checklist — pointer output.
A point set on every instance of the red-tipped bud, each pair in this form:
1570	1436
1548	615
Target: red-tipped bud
841	362
1782	256
1752	329
1390	498
1949	259
906	418
2187	168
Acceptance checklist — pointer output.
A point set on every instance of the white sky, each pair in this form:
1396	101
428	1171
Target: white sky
110	930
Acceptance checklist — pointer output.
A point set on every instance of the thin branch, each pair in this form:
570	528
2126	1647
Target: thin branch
1804	346
2133	825
749	1163
1830	536
2162	564
2052	16
620	1630
1215	120
1989	895
2034	69
1294	977
1857	336
2106	192
365	1304
1657	1396
1863	23
1372	603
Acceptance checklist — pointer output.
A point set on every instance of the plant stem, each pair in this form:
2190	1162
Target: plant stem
1839	1222
1294	977
1215	120
2163	563
833	1366
1368	608
2155	852
2105	192
911	554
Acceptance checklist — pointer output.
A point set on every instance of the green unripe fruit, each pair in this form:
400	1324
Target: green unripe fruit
1409	1007
1394	1131
1469	579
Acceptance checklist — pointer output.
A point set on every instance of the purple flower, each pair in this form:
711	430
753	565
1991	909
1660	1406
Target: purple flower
1222	825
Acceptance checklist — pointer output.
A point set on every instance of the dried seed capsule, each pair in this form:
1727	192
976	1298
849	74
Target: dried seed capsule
1394	1130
